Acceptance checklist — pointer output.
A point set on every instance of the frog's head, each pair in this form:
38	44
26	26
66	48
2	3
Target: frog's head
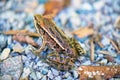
38	21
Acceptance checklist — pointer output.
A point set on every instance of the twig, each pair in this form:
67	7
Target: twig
105	72
103	52
24	32
92	50
114	44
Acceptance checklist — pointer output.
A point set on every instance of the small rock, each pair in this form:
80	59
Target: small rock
58	78
104	61
44	78
50	74
55	72
105	41
87	6
5	53
44	71
33	76
66	75
26	72
39	75
69	78
75	74
6	77
39	63
87	63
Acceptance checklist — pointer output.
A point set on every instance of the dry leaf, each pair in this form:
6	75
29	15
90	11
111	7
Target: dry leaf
92	51
24	32
114	44
52	7
26	39
105	72
84	32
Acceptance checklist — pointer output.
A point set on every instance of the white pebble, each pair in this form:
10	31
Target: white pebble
5	53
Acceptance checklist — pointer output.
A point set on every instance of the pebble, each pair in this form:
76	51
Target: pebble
6	77
5	53
58	78
105	41
2	41
50	74
87	6
44	78
75	74
66	75
104	61
55	72
39	75
87	63
33	76
44	71
26	72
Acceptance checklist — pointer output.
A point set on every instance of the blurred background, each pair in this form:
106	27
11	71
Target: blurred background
94	23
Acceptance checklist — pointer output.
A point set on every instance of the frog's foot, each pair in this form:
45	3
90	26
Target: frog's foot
77	46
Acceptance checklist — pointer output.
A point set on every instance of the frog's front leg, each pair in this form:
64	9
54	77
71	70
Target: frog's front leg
77	46
37	51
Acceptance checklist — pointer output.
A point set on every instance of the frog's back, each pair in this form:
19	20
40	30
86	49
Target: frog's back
55	33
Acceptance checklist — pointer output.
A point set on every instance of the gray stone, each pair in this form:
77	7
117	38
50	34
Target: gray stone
12	66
